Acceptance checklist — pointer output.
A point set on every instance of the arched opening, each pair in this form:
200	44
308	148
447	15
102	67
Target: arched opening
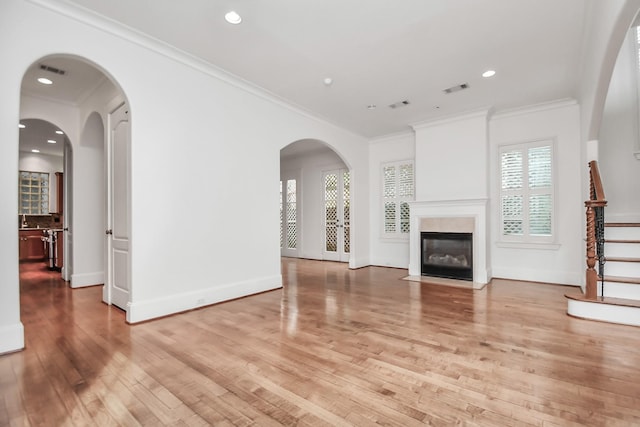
619	133
40	194
315	202
81	98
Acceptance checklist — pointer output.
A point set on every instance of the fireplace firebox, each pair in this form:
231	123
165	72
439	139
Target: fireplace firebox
448	255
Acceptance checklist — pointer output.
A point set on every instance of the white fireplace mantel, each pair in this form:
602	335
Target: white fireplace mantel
463	208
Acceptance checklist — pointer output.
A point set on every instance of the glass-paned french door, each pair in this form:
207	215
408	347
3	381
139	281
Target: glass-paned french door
289	233
337	215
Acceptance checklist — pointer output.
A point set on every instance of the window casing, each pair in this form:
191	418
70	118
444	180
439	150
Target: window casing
33	193
527	201
398	188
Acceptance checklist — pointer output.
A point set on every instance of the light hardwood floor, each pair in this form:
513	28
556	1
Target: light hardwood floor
334	347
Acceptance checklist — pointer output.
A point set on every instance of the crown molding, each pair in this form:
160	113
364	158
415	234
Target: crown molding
392	136
534	108
124	32
482	112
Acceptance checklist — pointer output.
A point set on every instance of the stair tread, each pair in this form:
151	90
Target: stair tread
622	259
578	296
620	279
622	224
621	241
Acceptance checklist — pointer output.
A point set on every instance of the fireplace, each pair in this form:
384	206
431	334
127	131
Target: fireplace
447	254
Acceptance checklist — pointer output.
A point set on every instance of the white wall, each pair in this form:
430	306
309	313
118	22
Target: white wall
563	262
451	158
618	139
606	27
386	252
39	162
203	144
310	169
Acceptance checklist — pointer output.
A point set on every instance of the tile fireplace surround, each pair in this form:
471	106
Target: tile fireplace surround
466	216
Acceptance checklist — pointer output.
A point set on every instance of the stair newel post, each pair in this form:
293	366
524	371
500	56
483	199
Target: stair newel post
595	230
591	290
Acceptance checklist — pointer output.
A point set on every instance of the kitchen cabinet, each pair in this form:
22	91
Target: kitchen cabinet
31	246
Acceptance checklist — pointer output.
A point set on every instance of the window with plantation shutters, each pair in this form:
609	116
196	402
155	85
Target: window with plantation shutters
526	192
397	191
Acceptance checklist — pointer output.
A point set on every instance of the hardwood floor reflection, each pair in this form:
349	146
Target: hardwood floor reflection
333	347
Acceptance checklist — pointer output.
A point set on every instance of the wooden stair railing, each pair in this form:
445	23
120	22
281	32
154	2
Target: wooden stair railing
595	230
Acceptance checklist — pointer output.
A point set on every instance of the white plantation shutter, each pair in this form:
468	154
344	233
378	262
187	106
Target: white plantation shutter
527	192
398	188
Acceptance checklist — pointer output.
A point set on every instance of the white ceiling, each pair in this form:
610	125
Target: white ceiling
78	81
35	135
377	51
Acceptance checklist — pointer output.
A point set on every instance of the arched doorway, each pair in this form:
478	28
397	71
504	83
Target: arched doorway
315	202
81	97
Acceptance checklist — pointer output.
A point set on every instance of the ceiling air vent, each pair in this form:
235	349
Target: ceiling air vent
399	104
456	88
52	69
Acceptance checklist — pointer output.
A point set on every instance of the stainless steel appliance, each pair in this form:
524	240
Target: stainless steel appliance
51	239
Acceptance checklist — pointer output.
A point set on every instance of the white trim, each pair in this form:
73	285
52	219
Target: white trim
392	136
483	112
623	315
541	275
535	108
87	279
11	338
126	33
529	245
150	309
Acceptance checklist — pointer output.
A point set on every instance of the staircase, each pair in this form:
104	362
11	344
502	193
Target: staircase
615	248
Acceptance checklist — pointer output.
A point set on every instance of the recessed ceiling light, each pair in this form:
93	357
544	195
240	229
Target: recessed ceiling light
489	73
328	81
45	81
35	151
21	126
59	132
51	141
371	106
233	17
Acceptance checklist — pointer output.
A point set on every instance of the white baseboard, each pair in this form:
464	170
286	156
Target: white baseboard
11	338
358	262
539	275
151	309
87	279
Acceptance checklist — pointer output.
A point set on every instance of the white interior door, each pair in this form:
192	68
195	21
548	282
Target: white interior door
67	218
337	215
289	216
118	217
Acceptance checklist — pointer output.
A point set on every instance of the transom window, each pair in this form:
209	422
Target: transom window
33	193
526	192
